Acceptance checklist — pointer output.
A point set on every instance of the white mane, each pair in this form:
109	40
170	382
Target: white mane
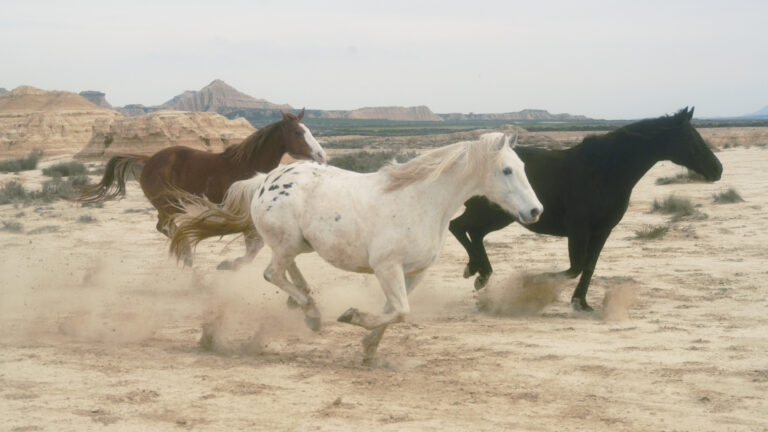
472	155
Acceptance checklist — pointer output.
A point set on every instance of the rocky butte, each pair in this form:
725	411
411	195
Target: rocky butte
149	133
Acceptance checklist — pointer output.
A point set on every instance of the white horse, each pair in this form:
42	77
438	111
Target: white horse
391	223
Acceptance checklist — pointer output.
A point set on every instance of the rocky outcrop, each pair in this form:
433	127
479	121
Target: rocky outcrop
216	95
526	114
149	133
96	97
56	122
134	110
416	113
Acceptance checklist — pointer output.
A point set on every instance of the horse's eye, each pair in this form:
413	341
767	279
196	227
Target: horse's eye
507	171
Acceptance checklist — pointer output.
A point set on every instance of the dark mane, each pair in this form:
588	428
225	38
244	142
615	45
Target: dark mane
241	152
596	146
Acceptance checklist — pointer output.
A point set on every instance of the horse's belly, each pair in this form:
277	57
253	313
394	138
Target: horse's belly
345	258
341	249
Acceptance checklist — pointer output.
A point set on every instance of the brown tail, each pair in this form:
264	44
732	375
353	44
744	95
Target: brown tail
200	218
117	171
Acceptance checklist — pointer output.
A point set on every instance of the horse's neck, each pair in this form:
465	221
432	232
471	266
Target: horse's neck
630	158
267	156
440	198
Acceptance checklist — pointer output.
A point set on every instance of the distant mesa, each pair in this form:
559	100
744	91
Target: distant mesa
96	97
416	113
57	122
526	114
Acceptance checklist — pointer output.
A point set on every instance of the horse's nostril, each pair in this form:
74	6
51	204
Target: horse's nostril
535	213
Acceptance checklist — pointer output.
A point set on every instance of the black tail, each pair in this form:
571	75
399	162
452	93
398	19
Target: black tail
117	171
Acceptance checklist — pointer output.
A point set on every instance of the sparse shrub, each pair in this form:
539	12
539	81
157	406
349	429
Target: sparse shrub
12	192
20	214
54	189
86	219
366	162
43	230
11	226
728	197
93	205
66	169
673	205
684	177
679	208
21	164
62	189
650	232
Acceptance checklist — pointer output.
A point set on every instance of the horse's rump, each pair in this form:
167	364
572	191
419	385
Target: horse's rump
199	218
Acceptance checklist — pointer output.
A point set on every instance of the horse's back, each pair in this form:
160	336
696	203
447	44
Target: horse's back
185	168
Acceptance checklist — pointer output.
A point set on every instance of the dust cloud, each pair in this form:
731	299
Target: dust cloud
618	300
519	295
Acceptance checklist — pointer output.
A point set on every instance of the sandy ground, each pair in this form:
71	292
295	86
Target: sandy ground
100	330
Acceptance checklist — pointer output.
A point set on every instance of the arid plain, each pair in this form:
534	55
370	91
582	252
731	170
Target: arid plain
100	328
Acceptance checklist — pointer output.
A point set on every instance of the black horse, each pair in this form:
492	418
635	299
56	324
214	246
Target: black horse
585	191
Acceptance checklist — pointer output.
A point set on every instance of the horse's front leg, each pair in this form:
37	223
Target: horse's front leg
393	283
458	227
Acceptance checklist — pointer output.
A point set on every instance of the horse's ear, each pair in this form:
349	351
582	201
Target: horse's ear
512	140
301	114
690	113
282	114
501	142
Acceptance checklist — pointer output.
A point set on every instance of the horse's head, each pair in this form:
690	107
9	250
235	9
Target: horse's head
507	184
298	139
686	147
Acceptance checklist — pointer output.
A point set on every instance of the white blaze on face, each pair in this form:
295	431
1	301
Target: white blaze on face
318	154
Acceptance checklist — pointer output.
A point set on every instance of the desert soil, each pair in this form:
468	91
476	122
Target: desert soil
100	329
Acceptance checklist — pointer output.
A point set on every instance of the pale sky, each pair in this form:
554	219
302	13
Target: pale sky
603	59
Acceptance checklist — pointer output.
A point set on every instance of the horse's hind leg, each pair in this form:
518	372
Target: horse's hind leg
162	224
593	249
186	251
298	280
275	273
253	244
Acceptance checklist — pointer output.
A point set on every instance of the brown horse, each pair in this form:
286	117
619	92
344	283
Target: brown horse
202	173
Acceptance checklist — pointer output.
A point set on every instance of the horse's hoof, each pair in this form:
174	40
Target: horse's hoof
291	303
368	361
469	271
580	305
347	316
313	323
481	281
226	265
